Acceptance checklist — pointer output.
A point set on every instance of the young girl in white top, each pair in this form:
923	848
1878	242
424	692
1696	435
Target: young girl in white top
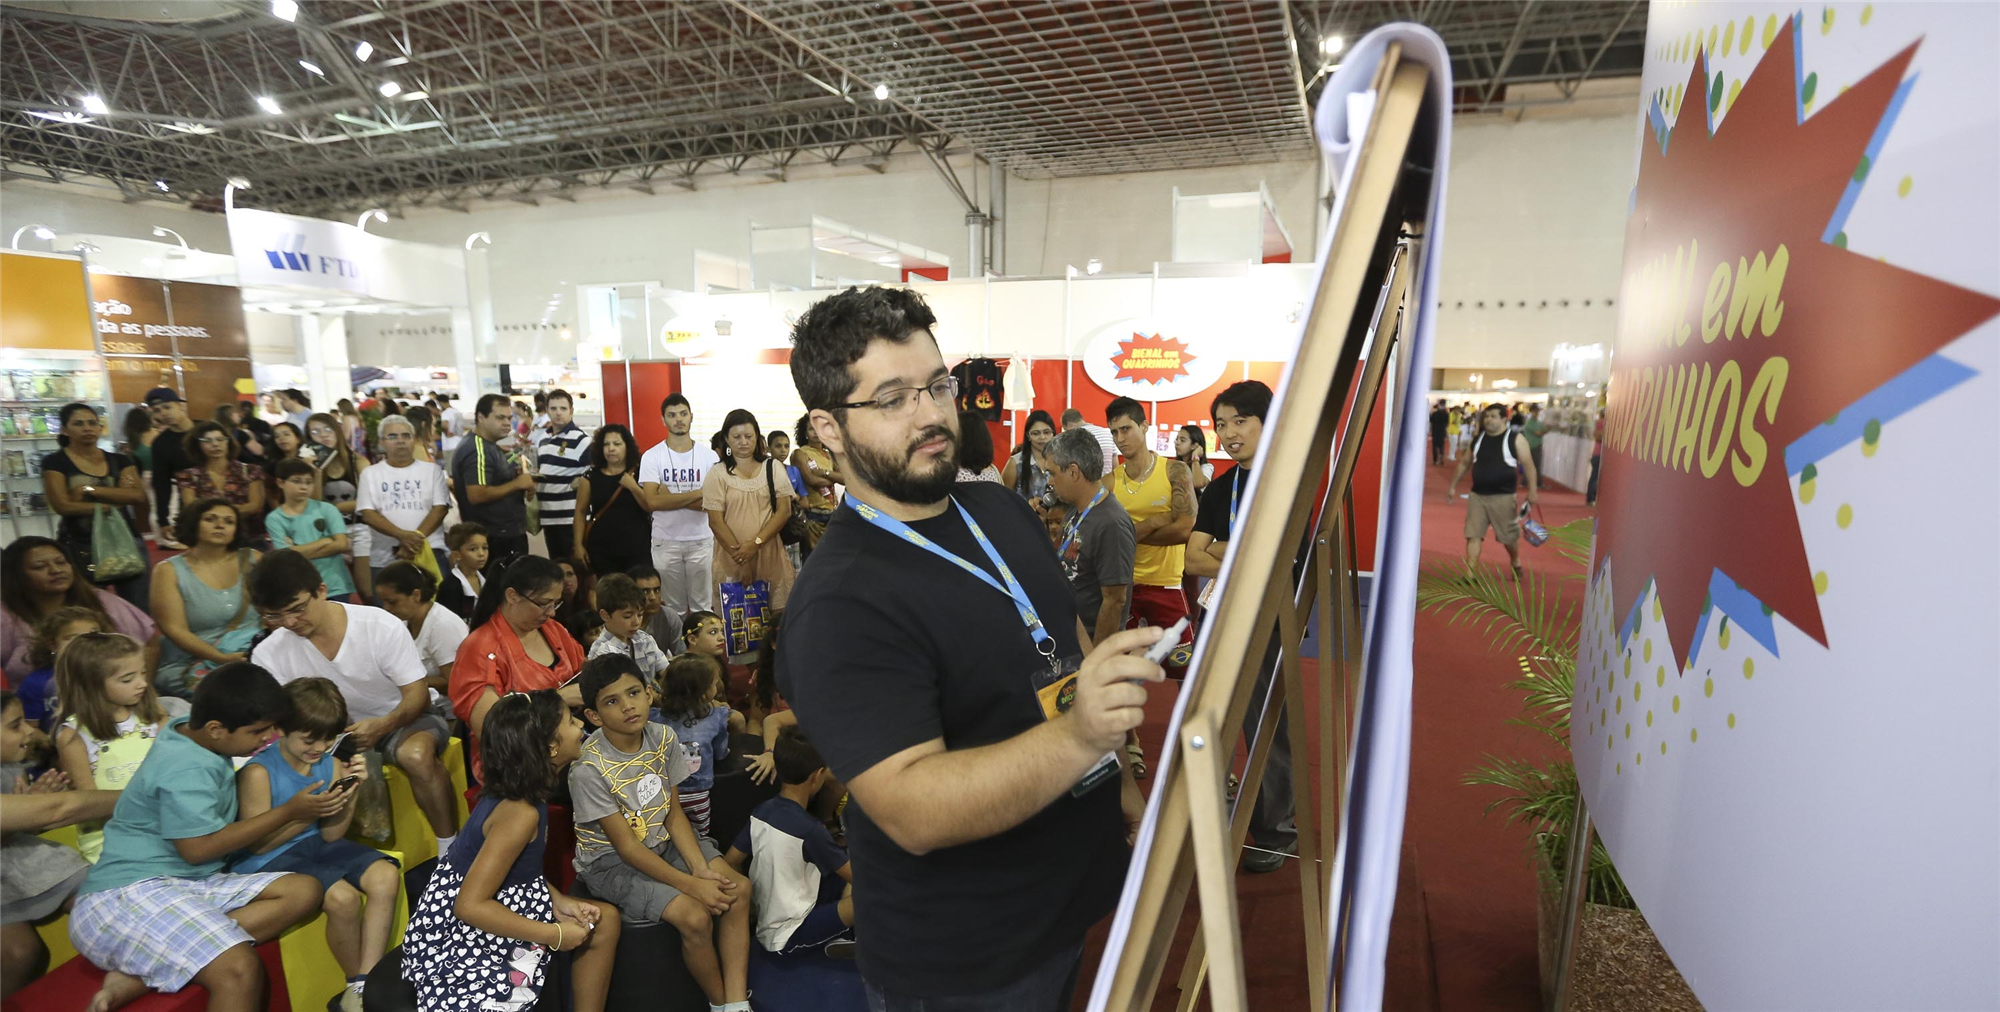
110	717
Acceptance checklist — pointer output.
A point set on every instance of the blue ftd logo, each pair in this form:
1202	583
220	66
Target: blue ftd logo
288	253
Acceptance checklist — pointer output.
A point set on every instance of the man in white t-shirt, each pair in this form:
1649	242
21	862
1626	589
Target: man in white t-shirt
370	656
683	547
451	425
402	498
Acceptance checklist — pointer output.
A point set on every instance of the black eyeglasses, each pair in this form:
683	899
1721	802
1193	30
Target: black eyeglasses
903	400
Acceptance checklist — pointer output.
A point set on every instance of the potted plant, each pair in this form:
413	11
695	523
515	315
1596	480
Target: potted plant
1523	615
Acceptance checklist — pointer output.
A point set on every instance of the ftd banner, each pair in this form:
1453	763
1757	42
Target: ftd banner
291	251
1787	711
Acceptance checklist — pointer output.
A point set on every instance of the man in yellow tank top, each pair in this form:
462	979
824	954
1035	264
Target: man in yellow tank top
1159	494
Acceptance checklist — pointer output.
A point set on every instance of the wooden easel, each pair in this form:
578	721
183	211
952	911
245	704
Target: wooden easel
1362	291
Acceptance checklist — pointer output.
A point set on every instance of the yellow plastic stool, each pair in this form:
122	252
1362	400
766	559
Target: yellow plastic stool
312	975
55	934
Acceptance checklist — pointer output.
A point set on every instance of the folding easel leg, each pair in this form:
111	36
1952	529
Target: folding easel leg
1194	966
1311	868
1215	866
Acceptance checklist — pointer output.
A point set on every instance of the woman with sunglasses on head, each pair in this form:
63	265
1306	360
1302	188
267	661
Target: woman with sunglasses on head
339	470
516	644
217	474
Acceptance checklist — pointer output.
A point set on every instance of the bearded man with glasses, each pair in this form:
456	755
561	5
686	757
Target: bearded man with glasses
932	650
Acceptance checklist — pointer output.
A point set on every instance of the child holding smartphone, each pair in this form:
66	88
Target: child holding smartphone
305	755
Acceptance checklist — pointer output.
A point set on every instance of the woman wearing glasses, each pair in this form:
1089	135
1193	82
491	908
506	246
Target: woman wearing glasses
217	474
516	644
198	597
748	498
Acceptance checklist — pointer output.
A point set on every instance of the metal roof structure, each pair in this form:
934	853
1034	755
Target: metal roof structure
352	104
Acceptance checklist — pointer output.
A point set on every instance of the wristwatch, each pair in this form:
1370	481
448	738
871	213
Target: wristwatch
759	542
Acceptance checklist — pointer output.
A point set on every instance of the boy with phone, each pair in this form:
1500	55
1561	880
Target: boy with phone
157	911
306	755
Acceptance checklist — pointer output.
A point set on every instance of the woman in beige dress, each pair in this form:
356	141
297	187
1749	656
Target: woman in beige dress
748	498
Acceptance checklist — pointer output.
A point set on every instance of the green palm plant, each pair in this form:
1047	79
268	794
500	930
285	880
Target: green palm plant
1523	615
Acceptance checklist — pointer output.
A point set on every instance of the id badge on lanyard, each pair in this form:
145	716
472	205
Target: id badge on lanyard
1054	686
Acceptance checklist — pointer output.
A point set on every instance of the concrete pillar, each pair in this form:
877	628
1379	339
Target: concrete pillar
473	339
323	350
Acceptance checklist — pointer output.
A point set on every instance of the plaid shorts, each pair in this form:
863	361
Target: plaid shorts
164	930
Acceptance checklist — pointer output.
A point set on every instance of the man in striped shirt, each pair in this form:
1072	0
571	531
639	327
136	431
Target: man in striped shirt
559	462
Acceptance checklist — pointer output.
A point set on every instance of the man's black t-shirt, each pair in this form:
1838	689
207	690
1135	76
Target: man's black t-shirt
1218	507
169	459
1492	474
886	646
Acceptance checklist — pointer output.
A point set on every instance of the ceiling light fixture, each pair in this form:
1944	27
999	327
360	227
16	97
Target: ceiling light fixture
95	104
162	232
65	116
1331	45
311	68
363	51
372	214
42	232
390	89
1093	265
416	96
229	192
186	127
162	184
881	93
478	237
269	104
285	10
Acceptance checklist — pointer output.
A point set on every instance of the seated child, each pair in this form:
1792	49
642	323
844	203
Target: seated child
37	877
804	884
704	634
157	911
702	725
482	934
459	590
39	692
311	527
111	715
623	609
634	845
348	871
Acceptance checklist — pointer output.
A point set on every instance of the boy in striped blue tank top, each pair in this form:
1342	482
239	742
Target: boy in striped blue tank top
304	758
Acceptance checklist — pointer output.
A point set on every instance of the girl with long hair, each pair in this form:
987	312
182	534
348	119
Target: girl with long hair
1191	448
110	716
487	925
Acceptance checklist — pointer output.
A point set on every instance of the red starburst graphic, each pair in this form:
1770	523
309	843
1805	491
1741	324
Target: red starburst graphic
1741	329
1152	358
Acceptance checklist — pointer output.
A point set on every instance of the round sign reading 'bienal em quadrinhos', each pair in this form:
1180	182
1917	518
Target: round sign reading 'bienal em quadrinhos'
1149	361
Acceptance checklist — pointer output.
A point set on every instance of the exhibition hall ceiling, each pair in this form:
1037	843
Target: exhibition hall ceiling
341	105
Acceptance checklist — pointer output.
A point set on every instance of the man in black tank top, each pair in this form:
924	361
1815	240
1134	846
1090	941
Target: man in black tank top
1496	454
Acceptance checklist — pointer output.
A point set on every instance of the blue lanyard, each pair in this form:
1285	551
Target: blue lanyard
1013	589
1076	523
1236	495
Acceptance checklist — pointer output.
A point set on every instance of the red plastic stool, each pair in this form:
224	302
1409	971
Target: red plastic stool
69	988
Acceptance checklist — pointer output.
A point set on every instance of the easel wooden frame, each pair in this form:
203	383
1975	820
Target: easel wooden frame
1196	841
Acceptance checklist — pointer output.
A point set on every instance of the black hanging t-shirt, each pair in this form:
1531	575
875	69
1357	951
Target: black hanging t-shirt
886	646
979	387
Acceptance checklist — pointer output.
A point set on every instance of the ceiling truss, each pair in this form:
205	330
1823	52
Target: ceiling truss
525	100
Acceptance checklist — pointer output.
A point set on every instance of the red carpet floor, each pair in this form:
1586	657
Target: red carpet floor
1464	938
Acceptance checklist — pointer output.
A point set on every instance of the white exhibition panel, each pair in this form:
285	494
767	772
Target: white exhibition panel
291	252
1803	793
1253	316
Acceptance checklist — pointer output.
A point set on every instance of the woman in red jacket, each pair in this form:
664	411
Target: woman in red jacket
516	644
